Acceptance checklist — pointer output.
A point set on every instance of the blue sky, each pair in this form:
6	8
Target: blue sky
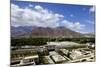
80	18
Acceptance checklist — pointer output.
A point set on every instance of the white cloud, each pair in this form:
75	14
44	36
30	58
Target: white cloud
38	8
81	31
89	21
38	16
73	25
92	9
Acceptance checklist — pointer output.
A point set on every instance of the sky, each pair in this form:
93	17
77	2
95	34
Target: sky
79	18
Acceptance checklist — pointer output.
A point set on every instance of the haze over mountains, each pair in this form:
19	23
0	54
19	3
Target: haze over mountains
30	31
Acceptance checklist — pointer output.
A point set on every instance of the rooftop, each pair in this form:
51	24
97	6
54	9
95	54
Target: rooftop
57	57
62	43
30	57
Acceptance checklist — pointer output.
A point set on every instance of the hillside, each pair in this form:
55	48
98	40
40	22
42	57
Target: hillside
29	31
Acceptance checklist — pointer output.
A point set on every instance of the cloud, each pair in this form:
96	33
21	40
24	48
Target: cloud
41	17
92	9
73	25
38	8
38	16
90	22
82	31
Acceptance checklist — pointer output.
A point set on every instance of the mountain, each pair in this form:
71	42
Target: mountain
54	32
20	31
89	35
29	31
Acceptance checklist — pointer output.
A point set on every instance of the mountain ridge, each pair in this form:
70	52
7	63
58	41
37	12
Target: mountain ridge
31	31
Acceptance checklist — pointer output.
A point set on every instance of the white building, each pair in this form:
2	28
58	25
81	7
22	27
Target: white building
57	57
75	54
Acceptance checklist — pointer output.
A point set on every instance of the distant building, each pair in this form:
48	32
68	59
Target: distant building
91	45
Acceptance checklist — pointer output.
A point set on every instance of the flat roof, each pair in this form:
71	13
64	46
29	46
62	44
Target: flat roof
29	57
62	43
76	54
57	57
